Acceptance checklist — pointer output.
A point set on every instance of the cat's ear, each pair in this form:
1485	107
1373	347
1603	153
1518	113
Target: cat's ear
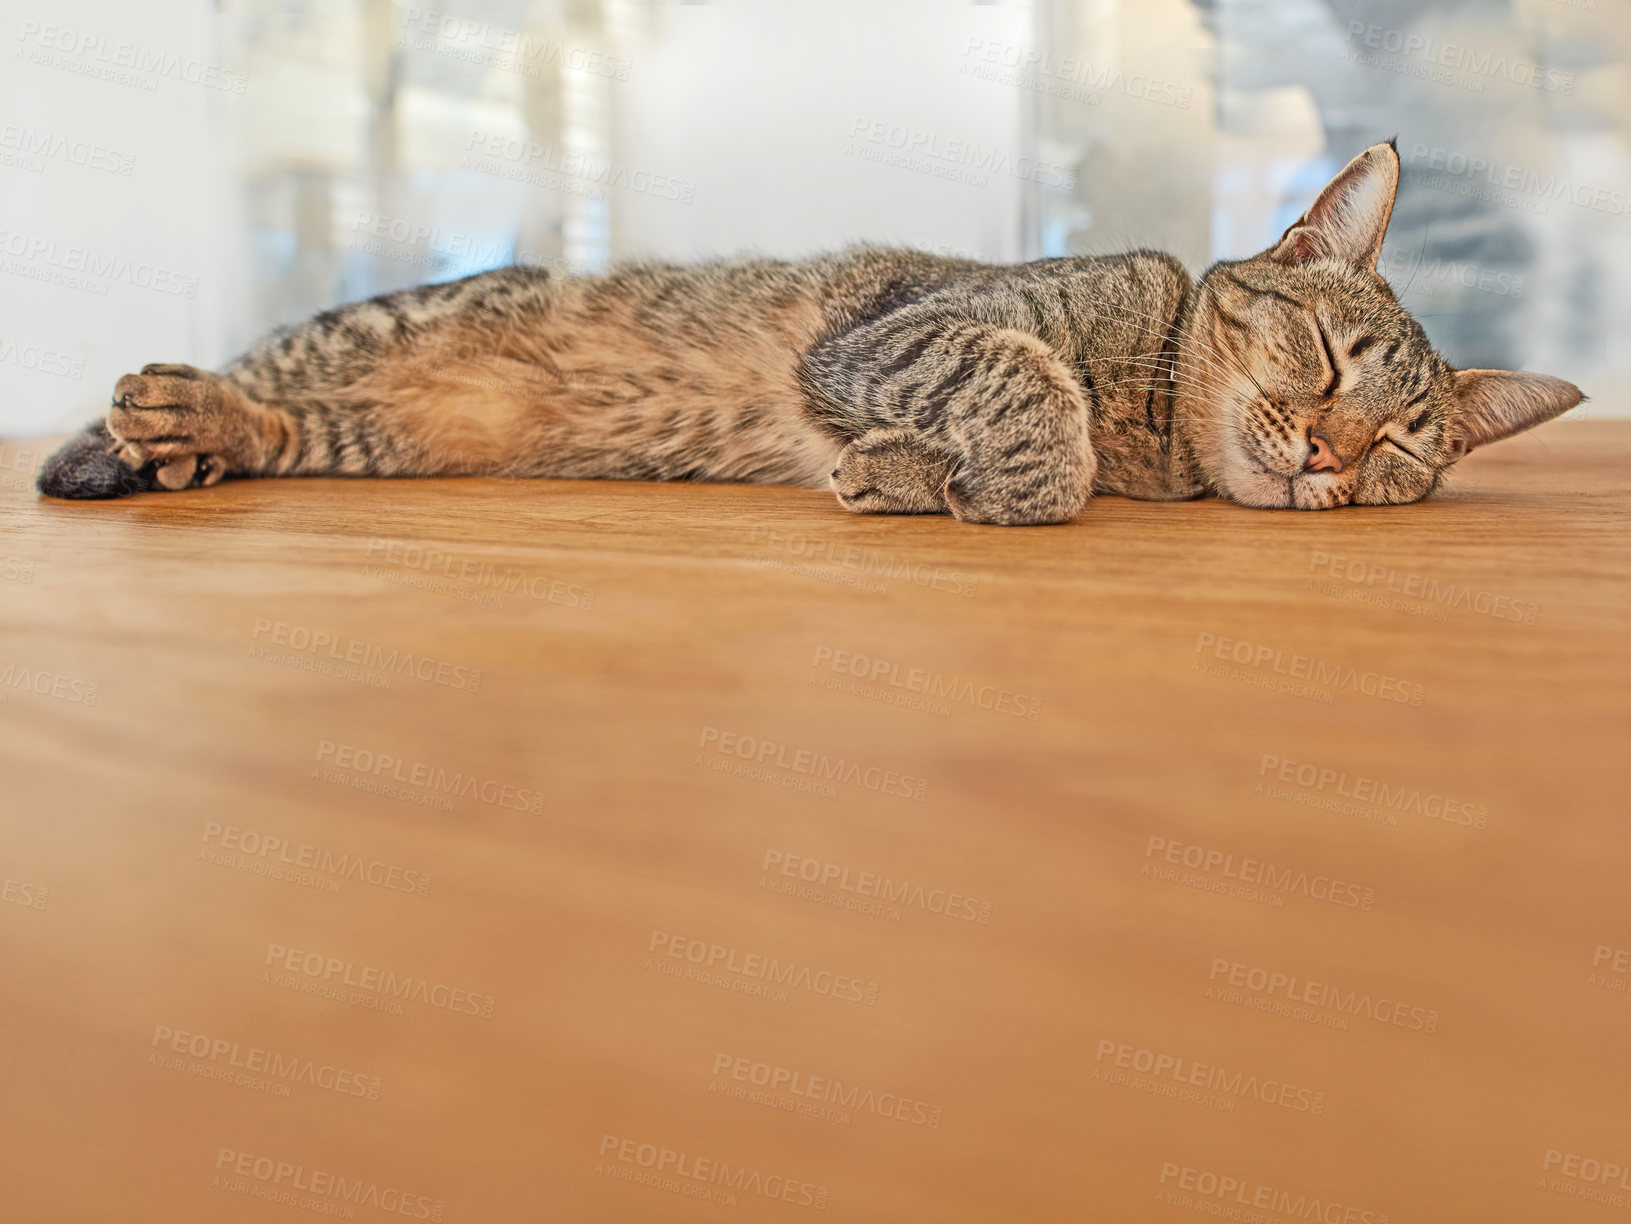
1349	220
1495	404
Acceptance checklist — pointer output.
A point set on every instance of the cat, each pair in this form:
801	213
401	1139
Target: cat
909	383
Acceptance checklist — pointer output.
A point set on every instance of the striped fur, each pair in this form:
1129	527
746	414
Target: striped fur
907	382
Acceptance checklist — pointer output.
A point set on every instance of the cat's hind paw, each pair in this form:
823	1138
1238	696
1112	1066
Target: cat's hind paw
177	425
171	415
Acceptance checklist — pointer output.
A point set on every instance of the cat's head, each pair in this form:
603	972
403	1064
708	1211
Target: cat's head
1303	382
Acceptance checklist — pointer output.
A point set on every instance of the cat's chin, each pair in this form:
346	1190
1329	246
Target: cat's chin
1319	491
1249	485
1247	477
1239	475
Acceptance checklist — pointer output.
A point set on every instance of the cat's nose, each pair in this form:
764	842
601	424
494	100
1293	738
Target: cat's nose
1321	458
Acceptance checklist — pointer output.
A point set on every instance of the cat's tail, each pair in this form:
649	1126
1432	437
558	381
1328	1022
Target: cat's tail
86	468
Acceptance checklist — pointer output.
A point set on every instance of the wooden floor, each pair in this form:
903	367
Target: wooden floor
494	852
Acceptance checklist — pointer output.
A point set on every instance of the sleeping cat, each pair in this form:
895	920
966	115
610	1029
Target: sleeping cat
911	383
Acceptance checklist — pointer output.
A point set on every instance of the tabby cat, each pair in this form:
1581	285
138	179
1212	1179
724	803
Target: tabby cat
911	383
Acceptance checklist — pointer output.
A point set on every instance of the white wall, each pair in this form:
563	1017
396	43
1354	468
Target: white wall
109	219
787	115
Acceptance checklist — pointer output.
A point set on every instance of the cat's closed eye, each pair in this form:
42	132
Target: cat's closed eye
1330	361
1385	438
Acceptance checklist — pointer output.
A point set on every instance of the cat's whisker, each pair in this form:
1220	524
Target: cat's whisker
1170	372
1164	368
1165	326
1208	357
1234	366
1162	377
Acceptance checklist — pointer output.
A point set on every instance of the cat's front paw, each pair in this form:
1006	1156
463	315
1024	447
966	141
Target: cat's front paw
177	421
888	471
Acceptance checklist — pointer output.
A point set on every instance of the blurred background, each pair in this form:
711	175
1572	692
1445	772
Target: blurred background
178	176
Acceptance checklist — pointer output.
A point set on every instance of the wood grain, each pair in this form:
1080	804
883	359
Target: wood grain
1266	865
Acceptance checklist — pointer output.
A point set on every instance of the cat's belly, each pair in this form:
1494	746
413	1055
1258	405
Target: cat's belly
587	400
680	419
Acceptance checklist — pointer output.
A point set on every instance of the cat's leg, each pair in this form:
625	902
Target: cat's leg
354	391
889	471
176	427
189	427
171	427
1020	428
1007	411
